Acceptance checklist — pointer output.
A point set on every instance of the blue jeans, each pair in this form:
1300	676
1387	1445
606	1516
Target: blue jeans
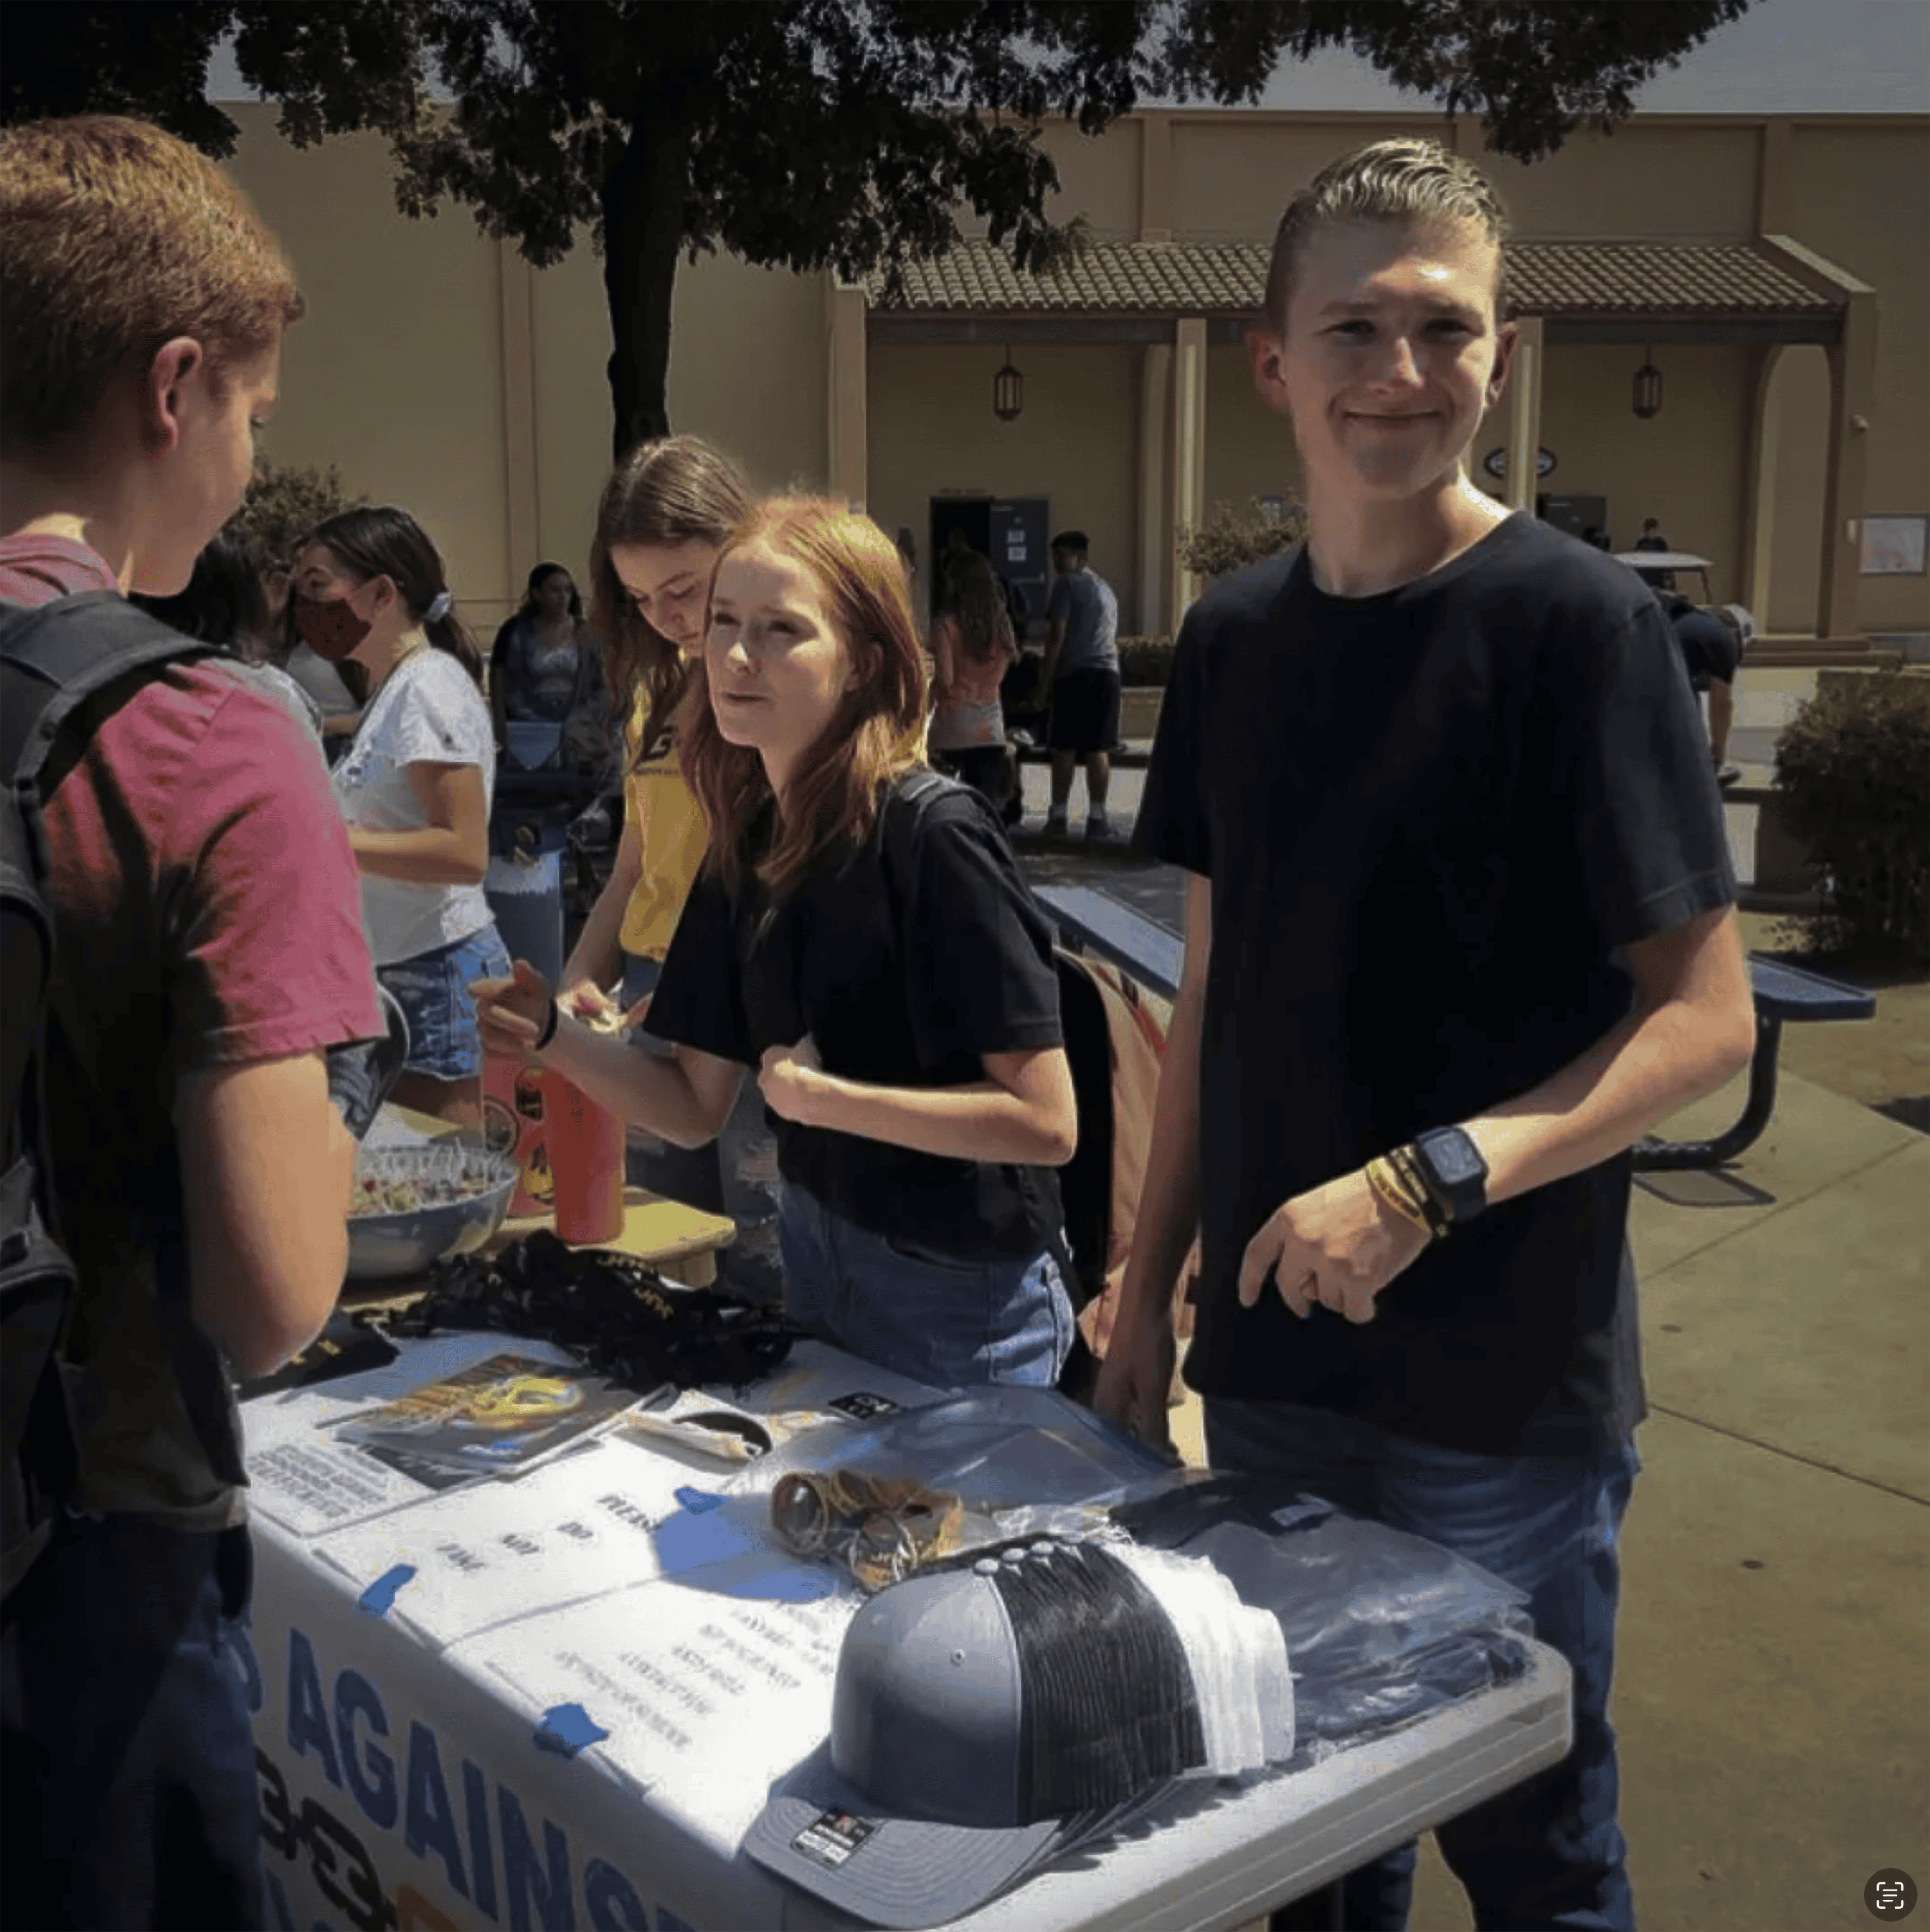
126	1752
1549	1853
951	1324
432	989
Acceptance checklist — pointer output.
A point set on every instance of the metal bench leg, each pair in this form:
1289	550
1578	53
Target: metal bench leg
1660	1156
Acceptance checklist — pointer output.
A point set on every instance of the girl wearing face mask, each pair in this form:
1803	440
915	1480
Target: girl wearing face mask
415	785
860	937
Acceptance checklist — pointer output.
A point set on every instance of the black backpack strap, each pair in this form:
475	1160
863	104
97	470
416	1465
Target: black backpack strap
61	656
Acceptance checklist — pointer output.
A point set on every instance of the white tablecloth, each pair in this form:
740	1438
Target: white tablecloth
403	1784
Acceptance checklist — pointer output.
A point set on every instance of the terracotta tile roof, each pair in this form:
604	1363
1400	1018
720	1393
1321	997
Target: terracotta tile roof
1551	278
1576	278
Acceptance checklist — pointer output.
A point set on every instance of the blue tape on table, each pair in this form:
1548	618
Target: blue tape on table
380	1598
698	1501
566	1728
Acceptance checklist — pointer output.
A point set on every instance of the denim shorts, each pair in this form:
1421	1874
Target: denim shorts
950	1324
432	989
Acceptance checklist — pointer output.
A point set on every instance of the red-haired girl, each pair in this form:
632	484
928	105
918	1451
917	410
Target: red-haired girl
860	935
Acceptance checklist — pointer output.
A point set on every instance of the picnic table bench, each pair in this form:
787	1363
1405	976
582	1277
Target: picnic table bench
1094	922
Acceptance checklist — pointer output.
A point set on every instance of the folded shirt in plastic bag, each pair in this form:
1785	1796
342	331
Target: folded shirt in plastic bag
1382	1627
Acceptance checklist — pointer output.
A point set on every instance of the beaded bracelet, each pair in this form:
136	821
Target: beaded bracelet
1386	1180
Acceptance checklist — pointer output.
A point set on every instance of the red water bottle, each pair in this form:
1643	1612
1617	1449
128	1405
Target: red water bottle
586	1151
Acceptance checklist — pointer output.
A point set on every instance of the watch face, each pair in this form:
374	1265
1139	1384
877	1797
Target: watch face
1454	1158
1454	1171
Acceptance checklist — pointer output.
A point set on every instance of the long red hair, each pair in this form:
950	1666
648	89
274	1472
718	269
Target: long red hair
877	733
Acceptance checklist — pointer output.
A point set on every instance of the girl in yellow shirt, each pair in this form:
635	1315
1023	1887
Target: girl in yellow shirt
665	514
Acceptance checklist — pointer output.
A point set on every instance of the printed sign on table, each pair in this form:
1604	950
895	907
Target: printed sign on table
709	1684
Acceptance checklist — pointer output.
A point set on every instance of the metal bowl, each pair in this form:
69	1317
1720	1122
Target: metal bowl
391	1247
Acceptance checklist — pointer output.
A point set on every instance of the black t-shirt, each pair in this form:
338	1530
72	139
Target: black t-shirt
907	963
1429	818
1710	650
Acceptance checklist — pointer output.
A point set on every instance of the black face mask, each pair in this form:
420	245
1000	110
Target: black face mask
329	626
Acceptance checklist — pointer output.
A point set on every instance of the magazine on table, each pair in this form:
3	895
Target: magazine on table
500	1416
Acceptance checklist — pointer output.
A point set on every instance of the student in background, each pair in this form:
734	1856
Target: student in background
224	603
414	786
972	649
545	666
1081	675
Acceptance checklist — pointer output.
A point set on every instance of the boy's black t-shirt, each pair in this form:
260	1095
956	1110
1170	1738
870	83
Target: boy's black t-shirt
1429	818
906	962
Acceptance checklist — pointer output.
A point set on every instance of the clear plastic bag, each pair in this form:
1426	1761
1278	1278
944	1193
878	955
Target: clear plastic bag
1382	1627
912	1489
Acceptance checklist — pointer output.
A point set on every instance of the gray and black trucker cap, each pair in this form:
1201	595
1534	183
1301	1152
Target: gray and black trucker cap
986	1719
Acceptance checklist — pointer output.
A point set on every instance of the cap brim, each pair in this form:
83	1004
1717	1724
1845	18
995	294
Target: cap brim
904	1873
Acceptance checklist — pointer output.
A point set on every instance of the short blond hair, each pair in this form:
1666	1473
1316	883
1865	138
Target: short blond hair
1409	179
116	237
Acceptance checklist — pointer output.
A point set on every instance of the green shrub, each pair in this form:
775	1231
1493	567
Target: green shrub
1854	769
1145	661
284	503
1229	540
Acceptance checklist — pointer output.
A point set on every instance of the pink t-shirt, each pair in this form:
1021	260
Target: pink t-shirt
208	914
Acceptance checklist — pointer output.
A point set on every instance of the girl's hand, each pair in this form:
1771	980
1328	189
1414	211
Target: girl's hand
586	1000
512	1014
792	1080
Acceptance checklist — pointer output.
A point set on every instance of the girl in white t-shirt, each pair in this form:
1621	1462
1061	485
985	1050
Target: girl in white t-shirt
415	786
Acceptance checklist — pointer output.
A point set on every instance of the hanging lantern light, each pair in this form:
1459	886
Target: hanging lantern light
1008	391
1648	387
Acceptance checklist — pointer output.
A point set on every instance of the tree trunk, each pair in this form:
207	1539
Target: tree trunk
644	200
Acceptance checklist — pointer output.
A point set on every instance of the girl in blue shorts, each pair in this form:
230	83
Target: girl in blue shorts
415	787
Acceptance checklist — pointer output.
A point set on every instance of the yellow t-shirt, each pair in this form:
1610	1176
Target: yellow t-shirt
670	823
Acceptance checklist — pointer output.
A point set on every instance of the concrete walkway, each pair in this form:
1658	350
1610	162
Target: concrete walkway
1773	1692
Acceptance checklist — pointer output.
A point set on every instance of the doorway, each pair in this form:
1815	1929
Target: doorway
1011	532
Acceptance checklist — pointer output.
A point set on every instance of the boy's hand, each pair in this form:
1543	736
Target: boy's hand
1336	1247
1136	1377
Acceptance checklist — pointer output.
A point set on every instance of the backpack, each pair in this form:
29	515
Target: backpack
64	666
1114	1045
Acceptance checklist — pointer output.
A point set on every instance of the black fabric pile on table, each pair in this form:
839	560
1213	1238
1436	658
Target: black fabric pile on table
618	1315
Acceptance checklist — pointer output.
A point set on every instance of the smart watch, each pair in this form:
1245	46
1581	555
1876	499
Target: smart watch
1452	1170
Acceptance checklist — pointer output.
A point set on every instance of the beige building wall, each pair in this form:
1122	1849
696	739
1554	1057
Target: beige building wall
1684	466
1668	178
932	429
394	373
1249	451
747	372
1799	394
1860	194
436	370
1232	173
